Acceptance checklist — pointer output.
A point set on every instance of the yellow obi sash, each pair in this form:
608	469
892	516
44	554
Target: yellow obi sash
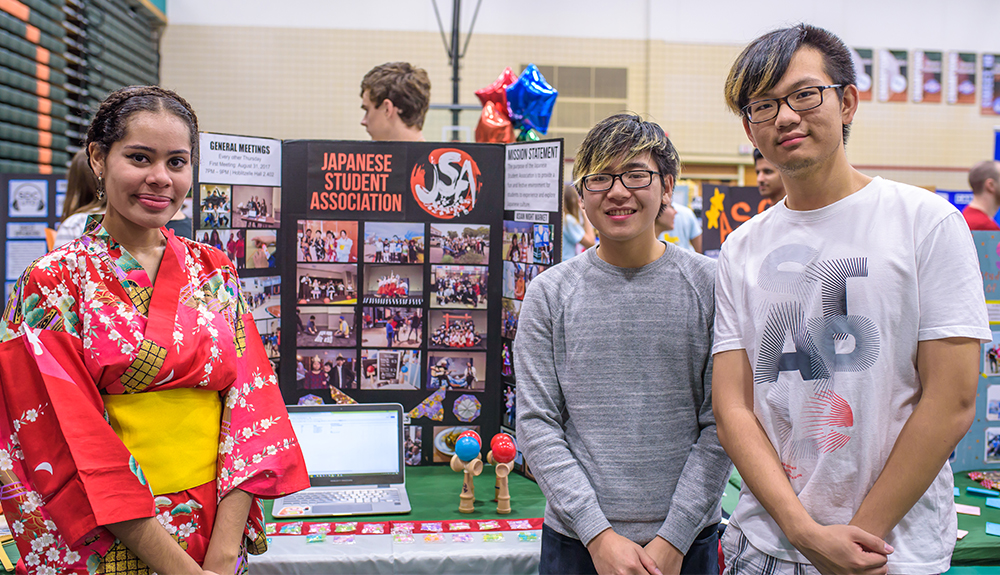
173	434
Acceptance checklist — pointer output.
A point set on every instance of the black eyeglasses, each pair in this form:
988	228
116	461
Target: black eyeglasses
632	179
800	100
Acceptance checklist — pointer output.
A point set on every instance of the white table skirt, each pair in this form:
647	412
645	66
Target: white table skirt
371	554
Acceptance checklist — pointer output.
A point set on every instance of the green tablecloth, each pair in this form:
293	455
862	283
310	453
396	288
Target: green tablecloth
976	548
434	491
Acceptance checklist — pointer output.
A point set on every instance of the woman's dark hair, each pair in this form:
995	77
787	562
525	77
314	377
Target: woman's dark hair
81	187
111	119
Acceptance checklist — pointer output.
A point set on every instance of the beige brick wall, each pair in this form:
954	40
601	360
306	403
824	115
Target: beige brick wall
303	83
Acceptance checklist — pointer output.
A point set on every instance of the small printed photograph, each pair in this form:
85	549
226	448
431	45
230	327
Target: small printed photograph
992	445
327	241
390	369
542	240
517	238
456	370
510	309
462	287
326	369
327	283
270	335
507	360
993	403
458	328
517	277
445	438
230	242
28	198
412	445
394	285
991	356
325	326
262	249
256	207
263	296
391	327
460	244
394	243
216	206
509	405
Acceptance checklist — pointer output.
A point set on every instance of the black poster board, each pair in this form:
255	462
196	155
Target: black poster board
392	254
392	265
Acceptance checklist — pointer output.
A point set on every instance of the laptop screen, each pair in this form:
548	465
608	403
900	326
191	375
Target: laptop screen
347	444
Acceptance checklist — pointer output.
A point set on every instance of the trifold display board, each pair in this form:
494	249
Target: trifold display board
399	268
980	448
32	202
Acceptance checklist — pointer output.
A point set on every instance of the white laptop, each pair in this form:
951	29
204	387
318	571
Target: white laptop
354	456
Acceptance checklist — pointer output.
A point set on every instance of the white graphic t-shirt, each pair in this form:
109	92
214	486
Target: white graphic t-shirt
829	305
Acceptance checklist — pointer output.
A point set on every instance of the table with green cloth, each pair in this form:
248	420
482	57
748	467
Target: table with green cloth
434	496
976	548
433	492
975	554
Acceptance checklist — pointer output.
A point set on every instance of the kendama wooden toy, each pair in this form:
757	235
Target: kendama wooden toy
468	460
502	454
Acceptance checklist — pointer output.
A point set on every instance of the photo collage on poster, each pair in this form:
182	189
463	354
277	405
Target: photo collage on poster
242	221
527	252
393	306
237	210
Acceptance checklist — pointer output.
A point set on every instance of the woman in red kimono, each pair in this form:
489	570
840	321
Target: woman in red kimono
140	421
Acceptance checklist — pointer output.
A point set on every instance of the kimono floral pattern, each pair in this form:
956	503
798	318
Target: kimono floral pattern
85	322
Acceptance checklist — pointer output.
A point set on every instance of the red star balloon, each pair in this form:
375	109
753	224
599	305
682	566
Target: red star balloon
497	91
494	125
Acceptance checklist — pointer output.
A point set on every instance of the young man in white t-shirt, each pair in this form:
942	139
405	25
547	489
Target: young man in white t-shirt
847	330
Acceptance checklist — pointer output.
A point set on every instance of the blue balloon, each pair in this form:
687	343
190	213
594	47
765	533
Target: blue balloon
530	100
467	448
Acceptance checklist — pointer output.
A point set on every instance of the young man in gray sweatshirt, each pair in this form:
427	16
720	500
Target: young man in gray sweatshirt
613	363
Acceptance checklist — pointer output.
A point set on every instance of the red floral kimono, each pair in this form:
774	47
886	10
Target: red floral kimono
105	383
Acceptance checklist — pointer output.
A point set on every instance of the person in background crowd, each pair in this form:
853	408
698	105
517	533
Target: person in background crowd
395	97
82	199
685	231
665	224
768	178
132	383
984	179
843	449
577	230
618	425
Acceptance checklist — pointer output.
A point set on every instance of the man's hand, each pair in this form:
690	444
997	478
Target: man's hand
616	555
840	549
666	556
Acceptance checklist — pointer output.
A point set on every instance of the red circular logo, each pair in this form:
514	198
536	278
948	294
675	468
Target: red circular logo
447	183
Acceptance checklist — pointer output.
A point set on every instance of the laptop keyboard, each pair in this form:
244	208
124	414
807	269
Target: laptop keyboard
343	496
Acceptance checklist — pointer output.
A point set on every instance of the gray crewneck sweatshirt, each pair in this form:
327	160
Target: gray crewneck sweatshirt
614	412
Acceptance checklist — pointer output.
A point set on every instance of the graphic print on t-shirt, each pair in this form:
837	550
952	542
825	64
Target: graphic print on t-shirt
811	417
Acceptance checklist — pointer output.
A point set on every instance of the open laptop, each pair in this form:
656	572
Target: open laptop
354	456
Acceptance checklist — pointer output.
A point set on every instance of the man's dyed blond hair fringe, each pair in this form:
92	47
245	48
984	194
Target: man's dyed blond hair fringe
618	140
